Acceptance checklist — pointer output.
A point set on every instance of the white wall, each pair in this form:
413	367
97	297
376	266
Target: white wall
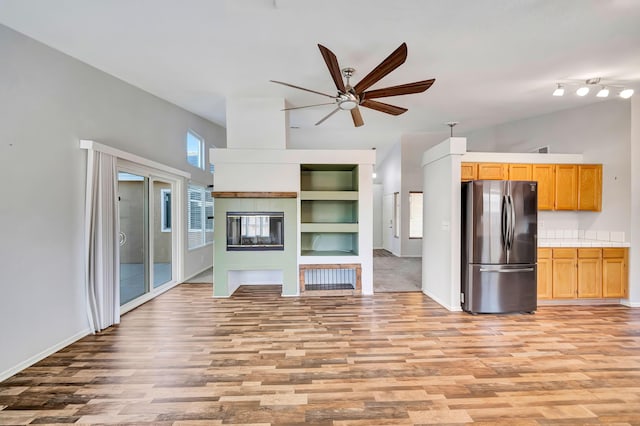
441	225
600	132
49	102
634	251
256	123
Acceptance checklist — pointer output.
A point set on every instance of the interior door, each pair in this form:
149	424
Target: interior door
387	222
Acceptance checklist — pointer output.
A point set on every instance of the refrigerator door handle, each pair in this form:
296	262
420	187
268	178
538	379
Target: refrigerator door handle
506	271
512	232
505	222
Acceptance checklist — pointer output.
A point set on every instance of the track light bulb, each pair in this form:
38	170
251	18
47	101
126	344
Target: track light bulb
603	93
626	93
582	91
559	91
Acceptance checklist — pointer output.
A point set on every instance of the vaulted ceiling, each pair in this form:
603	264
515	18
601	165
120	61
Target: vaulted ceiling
494	60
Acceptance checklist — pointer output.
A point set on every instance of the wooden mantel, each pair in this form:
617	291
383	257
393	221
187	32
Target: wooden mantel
222	194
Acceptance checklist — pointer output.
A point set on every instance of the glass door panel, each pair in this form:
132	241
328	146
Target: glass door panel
132	193
162	233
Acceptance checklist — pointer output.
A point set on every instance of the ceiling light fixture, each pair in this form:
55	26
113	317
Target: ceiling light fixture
582	91
583	88
559	90
626	93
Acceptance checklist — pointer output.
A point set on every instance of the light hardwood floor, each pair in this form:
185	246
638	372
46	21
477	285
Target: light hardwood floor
390	359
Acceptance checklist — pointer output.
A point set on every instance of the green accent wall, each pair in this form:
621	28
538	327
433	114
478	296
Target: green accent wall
286	260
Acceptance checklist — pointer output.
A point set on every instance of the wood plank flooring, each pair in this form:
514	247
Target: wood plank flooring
390	359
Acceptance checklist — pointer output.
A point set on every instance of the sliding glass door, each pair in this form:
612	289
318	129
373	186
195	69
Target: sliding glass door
133	201
147	240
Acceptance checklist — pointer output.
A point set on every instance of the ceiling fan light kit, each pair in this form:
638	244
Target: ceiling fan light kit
350	98
585	87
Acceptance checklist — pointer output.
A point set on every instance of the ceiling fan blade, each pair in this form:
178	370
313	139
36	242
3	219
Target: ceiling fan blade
403	89
307	106
382	107
392	62
302	88
327	116
334	69
357	117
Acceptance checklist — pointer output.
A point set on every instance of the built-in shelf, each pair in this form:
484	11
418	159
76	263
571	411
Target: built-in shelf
329	227
329	209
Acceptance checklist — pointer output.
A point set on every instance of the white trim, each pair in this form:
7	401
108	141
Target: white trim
630	304
441	303
201	160
147	296
42	355
93	145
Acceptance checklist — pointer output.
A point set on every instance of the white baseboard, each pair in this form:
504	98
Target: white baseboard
442	303
197	273
42	355
627	302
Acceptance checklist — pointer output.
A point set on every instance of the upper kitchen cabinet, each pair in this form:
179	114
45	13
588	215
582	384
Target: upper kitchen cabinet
520	171
566	187
544	174
468	171
590	187
493	171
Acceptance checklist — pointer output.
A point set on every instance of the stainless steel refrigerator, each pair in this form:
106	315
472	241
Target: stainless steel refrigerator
499	246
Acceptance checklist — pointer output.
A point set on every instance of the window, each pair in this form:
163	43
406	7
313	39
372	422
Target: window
415	214
165	210
200	216
195	150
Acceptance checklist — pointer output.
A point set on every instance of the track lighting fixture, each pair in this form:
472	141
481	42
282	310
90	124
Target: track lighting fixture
583	88
559	91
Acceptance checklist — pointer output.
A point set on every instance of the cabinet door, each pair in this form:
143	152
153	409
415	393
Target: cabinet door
566	187
564	273
589	272
493	171
520	171
590	187
544	174
468	171
545	277
614	272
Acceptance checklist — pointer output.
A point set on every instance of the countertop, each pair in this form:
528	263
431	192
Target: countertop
578	242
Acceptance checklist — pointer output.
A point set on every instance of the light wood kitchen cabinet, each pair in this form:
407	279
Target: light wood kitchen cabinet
493	171
590	187
589	273
544	174
565	276
545	277
566	187
520	171
614	272
468	171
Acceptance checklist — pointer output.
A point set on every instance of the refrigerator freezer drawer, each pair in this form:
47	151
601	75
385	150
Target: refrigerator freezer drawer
500	289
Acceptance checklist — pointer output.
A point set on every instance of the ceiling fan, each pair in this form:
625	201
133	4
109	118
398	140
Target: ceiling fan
350	98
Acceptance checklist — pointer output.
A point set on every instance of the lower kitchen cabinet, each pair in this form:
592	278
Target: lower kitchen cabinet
545	277
565	276
587	273
614	272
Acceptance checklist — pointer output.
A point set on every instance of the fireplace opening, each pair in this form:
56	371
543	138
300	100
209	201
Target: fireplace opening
249	231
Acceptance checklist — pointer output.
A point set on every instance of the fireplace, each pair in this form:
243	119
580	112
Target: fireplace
254	231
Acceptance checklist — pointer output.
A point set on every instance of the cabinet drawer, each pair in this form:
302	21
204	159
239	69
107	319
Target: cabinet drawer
589	253
544	253
565	253
612	253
